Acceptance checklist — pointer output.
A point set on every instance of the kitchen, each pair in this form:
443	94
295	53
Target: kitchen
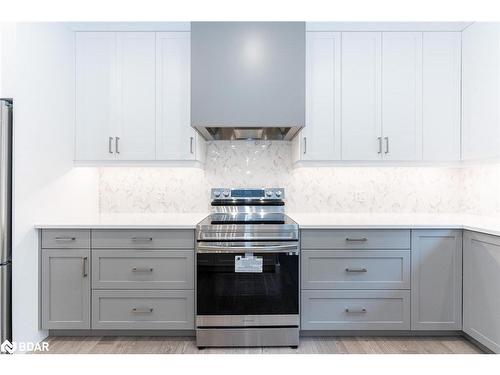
350	170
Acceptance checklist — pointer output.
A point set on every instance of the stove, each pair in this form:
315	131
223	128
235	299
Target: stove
247	271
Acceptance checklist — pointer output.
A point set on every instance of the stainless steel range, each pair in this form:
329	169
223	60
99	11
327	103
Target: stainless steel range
247	278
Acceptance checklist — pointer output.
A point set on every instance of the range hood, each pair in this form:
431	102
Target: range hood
248	79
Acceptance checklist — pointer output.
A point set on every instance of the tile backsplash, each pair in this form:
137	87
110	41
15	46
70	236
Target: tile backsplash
380	189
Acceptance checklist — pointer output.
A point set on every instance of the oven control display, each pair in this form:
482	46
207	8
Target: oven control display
248	263
250	193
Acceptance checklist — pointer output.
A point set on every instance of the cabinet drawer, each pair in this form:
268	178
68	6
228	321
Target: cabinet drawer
355	269
143	269
143	309
143	239
355	310
355	239
65	239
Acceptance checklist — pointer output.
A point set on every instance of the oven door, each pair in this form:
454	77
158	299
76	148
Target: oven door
247	284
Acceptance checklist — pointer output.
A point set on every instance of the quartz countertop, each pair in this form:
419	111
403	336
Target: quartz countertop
484	224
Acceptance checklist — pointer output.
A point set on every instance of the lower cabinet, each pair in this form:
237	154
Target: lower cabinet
65	289
482	288
436	284
143	309
355	310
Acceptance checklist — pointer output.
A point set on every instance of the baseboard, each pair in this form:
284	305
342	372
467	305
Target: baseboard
120	332
478	344
366	333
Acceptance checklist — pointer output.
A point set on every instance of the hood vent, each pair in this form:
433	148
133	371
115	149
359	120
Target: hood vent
248	79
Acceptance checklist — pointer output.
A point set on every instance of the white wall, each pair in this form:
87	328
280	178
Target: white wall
7	59
46	185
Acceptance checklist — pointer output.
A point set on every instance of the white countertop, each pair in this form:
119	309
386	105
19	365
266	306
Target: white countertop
484	224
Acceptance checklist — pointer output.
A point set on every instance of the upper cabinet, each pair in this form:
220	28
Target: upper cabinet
481	91
402	96
395	96
361	95
133	97
442	55
320	140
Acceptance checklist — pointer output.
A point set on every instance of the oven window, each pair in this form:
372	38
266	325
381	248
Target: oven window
222	291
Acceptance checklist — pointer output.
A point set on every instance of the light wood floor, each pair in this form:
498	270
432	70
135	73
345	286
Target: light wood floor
308	345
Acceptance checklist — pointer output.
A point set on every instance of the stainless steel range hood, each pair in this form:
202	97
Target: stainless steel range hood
248	79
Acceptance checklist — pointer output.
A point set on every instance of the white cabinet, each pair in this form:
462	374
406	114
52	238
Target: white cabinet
320	140
481	91
96	110
482	288
175	139
436	281
402	95
361	95
133	97
441	95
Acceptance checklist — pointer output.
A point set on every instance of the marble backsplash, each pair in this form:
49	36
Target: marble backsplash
418	189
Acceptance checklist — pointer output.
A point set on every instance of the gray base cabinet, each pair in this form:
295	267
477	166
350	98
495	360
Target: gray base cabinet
355	310
482	288
143	309
436	285
65	289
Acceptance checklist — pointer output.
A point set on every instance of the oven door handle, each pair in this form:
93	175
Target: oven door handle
247	249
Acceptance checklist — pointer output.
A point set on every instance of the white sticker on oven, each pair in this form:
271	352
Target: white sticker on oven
248	263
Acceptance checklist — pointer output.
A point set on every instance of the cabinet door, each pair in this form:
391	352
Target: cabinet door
175	139
441	95
436	282
136	96
321	136
65	289
361	95
402	95
481	288
96	111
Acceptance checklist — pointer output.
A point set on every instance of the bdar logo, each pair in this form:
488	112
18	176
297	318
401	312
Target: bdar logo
7	347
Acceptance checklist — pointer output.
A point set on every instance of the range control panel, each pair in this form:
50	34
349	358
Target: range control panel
248	194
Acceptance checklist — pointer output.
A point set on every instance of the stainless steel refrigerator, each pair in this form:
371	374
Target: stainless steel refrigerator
5	219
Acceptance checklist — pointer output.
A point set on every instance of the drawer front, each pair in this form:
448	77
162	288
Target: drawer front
143	309
143	269
355	239
355	269
65	239
355	310
142	239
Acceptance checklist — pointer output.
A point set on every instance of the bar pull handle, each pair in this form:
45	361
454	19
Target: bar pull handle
65	239
305	145
136	239
355	311
386	145
142	310
363	239
143	269
356	270
117	140
379	145
191	148
84	266
110	141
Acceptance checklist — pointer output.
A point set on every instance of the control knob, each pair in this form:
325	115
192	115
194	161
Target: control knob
269	193
226	193
216	194
278	193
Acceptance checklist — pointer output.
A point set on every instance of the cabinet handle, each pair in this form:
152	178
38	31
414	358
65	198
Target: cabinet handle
84	266
354	311
65	239
110	141
386	145
356	270
142	310
191	139
305	145
117	139
364	239
138	269
379	145
142	238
